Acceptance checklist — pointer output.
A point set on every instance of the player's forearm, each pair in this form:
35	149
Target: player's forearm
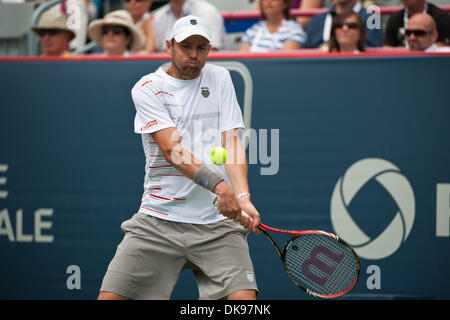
238	177
236	164
237	170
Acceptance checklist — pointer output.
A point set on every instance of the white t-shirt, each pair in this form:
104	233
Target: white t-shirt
200	109
163	20
435	48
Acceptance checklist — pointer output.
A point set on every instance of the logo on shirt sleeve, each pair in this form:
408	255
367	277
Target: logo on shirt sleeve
149	124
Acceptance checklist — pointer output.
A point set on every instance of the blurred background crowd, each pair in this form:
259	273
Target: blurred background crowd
141	27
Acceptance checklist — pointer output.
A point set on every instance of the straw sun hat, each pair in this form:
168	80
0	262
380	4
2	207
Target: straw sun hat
119	18
53	20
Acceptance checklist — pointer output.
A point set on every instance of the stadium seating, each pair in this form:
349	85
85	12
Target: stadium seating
16	19
14	26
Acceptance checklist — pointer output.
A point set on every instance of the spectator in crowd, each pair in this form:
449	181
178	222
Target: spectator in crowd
367	3
421	34
166	16
303	5
277	31
395	28
79	13
319	27
347	33
143	19
116	34
53	34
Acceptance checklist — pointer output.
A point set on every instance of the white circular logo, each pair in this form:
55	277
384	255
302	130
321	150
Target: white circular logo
388	176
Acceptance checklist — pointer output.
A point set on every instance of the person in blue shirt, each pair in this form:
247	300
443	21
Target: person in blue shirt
318	31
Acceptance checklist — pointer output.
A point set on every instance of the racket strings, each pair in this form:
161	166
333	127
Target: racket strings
321	264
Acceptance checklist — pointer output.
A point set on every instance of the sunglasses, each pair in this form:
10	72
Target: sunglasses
114	30
417	33
350	25
43	32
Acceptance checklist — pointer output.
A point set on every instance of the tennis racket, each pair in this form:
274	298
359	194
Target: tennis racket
318	262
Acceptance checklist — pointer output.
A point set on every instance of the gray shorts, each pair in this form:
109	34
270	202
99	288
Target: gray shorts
151	256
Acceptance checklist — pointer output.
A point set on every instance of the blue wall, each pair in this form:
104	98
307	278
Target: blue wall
66	136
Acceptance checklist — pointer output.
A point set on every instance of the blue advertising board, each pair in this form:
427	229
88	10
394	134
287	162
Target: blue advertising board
355	146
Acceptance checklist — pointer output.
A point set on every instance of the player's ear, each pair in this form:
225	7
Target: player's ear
169	47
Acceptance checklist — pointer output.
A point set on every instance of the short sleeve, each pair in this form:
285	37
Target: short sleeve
296	33
231	114
151	115
249	35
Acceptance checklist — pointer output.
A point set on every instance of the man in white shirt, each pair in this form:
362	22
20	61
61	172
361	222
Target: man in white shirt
182	113
421	34
165	17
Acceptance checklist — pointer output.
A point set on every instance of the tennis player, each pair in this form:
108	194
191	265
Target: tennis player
178	112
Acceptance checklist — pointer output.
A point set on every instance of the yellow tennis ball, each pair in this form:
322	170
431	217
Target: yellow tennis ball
218	155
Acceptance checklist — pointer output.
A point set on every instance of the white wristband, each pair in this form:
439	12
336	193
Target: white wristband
242	194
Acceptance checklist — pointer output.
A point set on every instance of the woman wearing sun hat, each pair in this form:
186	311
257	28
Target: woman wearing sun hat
116	34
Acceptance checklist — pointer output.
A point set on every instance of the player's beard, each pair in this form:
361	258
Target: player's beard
189	71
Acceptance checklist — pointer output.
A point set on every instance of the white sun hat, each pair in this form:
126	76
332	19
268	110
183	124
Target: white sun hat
53	20
119	18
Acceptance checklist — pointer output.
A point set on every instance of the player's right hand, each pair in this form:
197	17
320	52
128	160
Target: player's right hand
250	216
232	208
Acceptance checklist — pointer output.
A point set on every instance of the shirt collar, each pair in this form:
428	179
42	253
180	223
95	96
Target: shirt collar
432	48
